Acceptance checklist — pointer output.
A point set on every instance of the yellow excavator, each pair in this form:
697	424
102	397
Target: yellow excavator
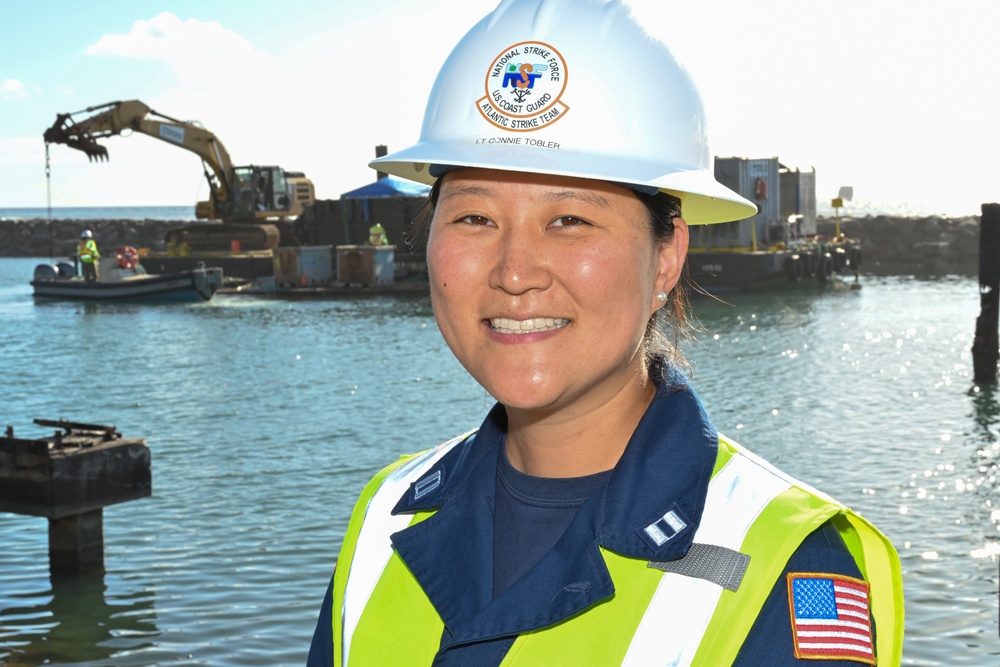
255	204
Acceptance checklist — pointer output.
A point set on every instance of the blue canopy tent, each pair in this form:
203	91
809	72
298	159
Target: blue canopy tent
388	186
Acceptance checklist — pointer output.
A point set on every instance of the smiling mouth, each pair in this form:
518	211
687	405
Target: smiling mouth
507	326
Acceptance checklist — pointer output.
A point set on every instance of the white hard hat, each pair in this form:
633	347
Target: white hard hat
575	88
87	234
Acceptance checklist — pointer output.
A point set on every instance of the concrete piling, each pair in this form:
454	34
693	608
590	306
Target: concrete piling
76	543
985	346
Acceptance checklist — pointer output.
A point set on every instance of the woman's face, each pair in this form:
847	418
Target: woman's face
542	285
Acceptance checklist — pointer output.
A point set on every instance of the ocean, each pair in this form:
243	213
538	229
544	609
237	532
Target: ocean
99	213
265	418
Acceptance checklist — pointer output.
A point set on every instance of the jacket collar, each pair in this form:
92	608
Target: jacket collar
650	510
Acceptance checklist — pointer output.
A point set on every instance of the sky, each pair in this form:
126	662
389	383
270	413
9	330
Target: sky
895	98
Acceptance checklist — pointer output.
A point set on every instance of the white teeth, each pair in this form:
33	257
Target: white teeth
509	326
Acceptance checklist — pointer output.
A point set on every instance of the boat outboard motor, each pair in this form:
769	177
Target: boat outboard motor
46	272
66	270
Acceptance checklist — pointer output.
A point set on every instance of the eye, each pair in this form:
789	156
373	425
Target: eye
475	220
568	221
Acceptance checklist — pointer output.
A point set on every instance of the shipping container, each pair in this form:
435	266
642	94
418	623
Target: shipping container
785	199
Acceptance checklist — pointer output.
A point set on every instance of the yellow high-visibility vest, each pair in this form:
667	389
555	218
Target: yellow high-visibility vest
87	251
381	615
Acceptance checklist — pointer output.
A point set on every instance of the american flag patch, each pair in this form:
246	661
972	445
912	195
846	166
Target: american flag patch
830	617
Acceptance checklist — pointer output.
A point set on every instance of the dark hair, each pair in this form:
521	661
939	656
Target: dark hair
669	325
418	233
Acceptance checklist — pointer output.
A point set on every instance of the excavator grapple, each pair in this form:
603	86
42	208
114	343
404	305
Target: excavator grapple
65	131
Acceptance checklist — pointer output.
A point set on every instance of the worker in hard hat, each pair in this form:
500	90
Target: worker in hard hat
377	235
89	257
596	516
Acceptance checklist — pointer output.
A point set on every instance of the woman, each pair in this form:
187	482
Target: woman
596	517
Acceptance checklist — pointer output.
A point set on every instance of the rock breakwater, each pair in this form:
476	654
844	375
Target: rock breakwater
890	245
918	245
58	238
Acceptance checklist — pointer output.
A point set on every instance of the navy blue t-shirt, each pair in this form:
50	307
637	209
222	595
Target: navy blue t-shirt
531	514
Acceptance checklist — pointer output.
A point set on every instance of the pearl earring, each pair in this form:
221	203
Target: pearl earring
662	296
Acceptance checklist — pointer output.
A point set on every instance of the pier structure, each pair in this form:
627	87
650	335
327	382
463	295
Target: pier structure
69	478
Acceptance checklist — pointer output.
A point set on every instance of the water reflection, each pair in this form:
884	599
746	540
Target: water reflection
95	307
76	619
986	412
985	468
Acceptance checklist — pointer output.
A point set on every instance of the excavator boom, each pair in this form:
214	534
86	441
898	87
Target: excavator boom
253	194
107	120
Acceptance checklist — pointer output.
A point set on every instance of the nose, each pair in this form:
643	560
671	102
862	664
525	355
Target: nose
521	263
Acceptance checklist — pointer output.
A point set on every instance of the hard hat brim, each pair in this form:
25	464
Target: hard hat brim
703	199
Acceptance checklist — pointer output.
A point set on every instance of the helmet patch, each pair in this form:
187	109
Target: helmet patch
524	88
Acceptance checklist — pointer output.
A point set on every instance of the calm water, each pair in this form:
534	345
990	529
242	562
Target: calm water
265	418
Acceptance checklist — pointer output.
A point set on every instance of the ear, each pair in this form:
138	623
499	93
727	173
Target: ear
671	256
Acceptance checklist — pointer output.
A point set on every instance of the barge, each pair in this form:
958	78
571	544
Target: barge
780	244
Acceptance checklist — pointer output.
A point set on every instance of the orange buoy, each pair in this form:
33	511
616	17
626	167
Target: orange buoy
128	257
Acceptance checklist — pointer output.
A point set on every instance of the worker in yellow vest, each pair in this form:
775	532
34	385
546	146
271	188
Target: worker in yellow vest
89	257
377	235
596	517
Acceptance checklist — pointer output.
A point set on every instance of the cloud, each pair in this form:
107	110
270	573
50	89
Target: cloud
12	89
222	82
195	50
21	150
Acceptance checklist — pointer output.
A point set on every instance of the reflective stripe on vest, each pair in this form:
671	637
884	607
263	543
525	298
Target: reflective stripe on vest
736	496
373	539
750	506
